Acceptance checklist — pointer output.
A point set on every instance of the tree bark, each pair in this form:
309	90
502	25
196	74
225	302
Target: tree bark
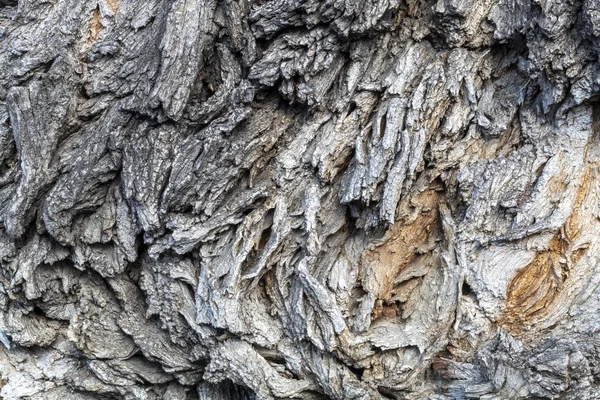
307	199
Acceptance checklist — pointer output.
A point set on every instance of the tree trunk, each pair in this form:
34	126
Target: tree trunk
304	199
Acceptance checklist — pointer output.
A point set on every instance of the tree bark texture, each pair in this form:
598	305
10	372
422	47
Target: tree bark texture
308	199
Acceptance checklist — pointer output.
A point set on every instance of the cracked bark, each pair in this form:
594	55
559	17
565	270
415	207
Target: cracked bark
264	199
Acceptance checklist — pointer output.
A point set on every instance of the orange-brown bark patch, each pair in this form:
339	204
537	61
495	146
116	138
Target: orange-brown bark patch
95	26
535	289
114	5
405	241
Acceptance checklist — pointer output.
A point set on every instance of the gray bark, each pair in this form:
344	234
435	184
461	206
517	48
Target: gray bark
307	199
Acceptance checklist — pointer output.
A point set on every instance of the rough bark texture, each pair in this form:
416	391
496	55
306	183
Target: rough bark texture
256	199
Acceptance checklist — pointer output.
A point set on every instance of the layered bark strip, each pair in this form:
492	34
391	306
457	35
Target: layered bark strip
307	199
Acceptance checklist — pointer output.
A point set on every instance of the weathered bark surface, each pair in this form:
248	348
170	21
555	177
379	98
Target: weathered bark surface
309	199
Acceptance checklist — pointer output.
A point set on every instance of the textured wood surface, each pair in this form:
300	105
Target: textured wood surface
307	199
